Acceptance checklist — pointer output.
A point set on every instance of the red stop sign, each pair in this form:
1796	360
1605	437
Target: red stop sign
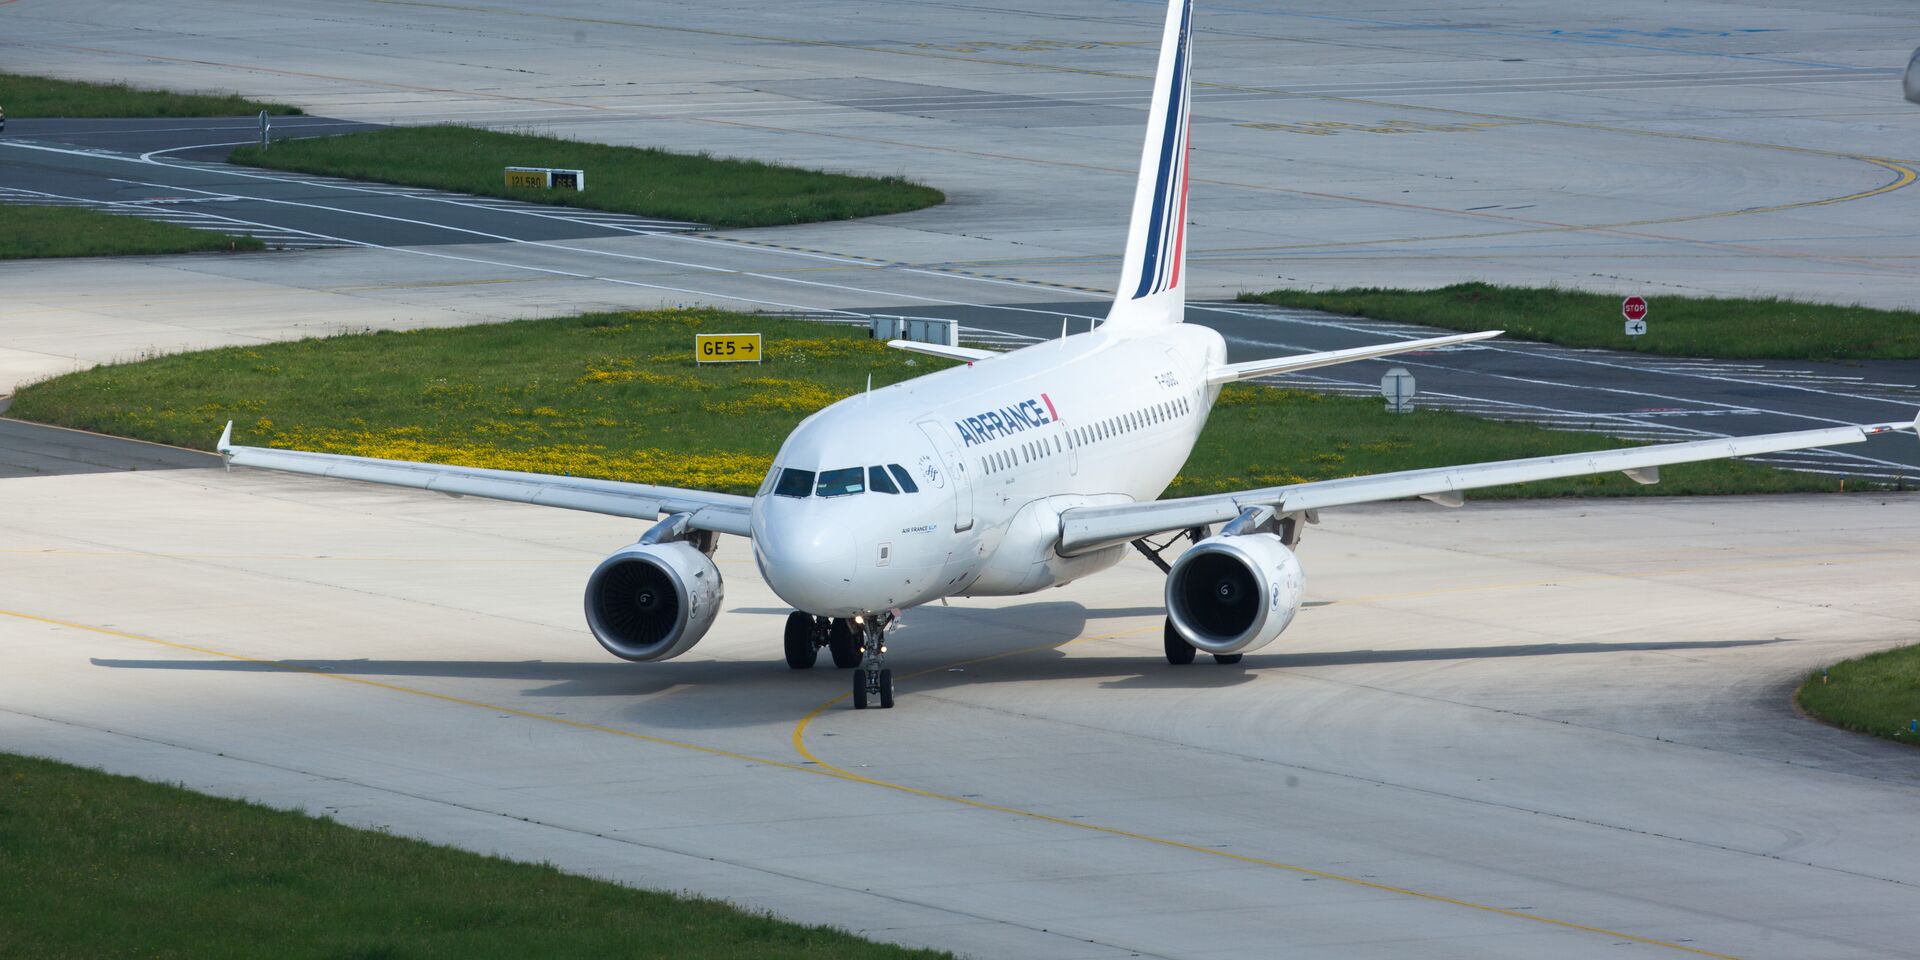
1634	308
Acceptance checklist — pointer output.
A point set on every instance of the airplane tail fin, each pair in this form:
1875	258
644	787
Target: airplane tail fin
1152	283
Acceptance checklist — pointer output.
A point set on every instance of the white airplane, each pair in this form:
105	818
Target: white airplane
1013	473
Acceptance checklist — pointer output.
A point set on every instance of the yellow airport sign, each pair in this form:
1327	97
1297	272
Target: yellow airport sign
546	178
726	347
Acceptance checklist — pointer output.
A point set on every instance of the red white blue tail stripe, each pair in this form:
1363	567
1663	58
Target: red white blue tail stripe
1165	245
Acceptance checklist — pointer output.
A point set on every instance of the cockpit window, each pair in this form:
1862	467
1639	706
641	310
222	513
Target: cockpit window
906	482
878	482
766	486
843	482
794	483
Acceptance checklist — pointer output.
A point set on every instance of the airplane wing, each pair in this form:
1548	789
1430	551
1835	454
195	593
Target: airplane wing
719	512
1090	528
968	354
1227	373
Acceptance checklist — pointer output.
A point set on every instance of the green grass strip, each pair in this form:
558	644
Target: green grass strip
96	865
1878	694
1730	328
29	96
34	231
638	180
617	395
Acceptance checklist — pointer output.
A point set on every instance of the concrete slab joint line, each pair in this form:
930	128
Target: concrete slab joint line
815	766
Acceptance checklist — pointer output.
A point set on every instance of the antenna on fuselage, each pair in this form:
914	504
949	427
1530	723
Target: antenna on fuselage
869	386
1063	328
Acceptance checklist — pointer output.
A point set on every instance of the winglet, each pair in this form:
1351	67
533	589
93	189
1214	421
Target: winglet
225	444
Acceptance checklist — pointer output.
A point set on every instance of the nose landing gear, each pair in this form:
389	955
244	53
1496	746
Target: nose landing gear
873	681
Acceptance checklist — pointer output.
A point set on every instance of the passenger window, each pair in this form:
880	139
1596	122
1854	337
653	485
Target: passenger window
794	483
878	482
843	482
906	481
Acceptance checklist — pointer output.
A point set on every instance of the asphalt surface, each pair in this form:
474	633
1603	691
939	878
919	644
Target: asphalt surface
38	450
173	169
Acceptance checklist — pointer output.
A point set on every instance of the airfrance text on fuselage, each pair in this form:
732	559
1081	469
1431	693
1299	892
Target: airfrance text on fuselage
1007	421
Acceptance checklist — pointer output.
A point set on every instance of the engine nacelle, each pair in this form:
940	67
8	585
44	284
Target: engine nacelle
653	601
1234	594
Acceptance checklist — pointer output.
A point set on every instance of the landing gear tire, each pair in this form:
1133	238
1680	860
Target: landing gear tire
1179	651
801	653
859	689
886	689
1228	658
840	641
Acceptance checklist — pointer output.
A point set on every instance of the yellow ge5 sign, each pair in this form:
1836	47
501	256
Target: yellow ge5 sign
726	347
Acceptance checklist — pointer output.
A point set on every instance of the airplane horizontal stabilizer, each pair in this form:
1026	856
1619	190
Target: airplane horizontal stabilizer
968	354
1228	373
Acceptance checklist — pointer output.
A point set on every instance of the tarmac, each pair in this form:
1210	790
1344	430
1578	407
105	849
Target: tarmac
1511	730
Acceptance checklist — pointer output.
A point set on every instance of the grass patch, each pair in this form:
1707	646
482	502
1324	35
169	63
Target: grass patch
97	865
616	395
1878	694
1734	328
654	183
26	96
34	231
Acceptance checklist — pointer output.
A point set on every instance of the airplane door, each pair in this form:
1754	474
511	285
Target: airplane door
952	470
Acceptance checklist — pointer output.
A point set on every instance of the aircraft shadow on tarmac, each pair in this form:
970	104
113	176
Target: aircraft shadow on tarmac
946	648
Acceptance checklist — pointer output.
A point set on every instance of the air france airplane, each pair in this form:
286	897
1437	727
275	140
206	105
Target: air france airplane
1013	473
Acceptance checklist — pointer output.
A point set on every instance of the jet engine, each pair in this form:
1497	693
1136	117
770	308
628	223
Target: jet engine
653	601
1233	594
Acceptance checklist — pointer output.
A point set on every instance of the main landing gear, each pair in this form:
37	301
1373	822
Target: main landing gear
806	634
857	643
1180	652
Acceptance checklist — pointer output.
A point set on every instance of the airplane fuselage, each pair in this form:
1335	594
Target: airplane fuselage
995	449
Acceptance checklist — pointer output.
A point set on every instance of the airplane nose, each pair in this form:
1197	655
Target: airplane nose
807	559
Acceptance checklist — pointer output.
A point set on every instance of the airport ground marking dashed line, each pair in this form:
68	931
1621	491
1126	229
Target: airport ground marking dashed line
516	241
817	767
800	747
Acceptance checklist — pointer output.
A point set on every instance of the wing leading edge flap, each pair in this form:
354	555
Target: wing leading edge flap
719	512
1228	373
1090	528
